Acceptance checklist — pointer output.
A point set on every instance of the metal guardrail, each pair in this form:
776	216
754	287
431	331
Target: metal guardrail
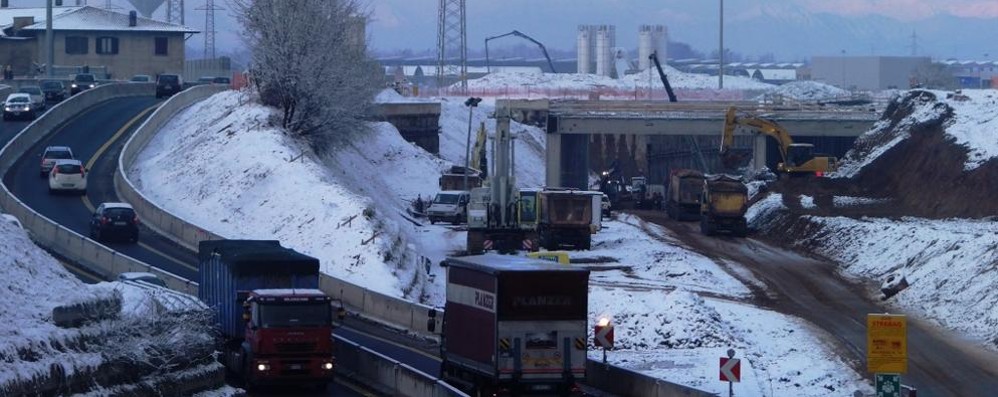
74	246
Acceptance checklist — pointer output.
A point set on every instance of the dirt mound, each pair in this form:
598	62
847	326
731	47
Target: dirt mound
908	160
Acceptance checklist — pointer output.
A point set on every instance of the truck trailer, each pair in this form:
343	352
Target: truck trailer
514	325
275	325
682	202
567	217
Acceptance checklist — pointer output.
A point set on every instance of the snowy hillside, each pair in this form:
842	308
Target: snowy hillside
809	91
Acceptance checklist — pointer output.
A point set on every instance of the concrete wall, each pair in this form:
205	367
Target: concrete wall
136	53
865	72
418	123
18	52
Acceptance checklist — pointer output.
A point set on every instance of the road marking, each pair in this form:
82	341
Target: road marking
100	152
103	148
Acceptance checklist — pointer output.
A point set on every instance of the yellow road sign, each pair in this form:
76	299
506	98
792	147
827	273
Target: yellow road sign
887	343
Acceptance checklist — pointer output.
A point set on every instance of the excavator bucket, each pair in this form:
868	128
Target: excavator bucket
736	159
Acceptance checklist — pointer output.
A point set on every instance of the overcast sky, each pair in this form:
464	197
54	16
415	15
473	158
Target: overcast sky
401	24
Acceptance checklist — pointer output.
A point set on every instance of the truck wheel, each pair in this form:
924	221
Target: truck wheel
433	221
475	242
587	244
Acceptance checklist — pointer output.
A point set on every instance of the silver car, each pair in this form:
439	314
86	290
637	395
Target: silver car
51	154
37	96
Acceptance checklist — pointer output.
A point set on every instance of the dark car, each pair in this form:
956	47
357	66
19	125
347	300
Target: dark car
222	80
54	90
168	84
81	82
114	220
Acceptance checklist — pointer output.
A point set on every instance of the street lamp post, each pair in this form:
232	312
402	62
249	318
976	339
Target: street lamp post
49	40
843	65
471	103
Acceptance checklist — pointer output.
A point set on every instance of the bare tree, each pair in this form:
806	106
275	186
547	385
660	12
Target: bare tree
310	60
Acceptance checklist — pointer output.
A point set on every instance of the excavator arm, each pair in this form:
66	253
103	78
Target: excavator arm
764	126
519	34
661	75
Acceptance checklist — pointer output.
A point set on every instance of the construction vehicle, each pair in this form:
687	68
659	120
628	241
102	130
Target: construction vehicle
514	326
723	203
496	218
454	179
274	322
517	33
799	159
612	185
683	198
567	217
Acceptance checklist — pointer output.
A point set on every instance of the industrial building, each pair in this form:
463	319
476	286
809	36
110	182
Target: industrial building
866	72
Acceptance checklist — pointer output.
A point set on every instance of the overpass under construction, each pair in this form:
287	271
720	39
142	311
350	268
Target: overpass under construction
651	137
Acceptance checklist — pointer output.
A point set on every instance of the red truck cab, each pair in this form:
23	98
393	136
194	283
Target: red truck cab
288	336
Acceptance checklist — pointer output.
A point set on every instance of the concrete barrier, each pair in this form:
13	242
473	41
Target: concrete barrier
77	248
387	375
4	91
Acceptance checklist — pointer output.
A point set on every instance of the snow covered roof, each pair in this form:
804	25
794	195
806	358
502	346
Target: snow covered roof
98	19
7	15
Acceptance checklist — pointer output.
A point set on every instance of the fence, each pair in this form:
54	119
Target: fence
215	67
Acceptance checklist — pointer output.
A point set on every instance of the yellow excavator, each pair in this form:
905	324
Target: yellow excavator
799	159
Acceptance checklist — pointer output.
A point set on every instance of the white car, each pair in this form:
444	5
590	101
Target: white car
51	155
68	175
18	105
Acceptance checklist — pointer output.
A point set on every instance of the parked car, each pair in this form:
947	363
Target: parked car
112	220
54	90
142	277
51	155
222	80
141	78
68	175
18	105
449	205
168	84
37	96
81	82
205	80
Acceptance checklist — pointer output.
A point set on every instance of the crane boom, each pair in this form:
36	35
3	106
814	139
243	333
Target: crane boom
519	34
661	75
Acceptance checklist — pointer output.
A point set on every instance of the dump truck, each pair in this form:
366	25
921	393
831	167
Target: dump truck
454	179
683	197
722	206
567	218
514	325
275	324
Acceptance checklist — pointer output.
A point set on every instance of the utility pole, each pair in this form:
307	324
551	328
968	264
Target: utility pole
209	28
175	11
49	40
720	51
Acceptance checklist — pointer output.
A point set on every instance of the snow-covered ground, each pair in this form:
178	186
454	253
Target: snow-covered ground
809	91
578	81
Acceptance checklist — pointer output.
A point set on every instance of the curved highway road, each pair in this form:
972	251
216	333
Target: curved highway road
96	136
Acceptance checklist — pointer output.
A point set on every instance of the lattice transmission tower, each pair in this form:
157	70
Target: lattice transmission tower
209	28
452	43
175	11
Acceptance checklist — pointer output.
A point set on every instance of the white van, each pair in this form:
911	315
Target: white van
450	206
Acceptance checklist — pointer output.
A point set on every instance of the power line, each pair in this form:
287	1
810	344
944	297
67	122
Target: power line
209	28
452	41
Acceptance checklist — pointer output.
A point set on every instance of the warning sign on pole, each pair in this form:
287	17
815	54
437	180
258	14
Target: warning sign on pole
604	336
731	369
887	343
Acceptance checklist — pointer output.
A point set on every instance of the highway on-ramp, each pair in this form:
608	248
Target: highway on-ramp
96	136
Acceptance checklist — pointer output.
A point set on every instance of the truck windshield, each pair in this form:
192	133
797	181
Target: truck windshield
294	315
689	189
445	199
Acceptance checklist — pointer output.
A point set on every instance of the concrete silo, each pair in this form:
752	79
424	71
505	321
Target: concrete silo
651	38
606	40
584	48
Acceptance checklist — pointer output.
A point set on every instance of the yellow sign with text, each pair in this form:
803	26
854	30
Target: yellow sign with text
887	343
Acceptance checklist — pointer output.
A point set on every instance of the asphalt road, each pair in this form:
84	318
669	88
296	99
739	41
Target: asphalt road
96	137
940	363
